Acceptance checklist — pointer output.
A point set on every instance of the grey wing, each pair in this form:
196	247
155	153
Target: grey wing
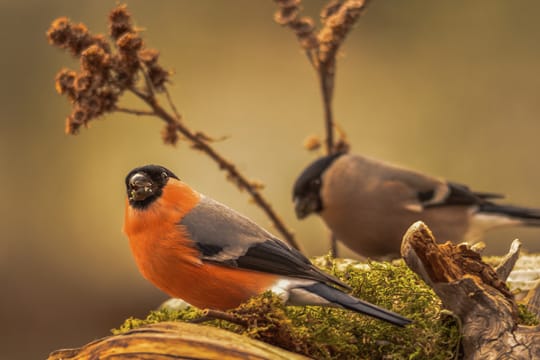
220	233
228	238
424	191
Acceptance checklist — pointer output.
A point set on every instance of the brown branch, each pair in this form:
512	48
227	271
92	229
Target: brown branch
172	106
200	143
109	69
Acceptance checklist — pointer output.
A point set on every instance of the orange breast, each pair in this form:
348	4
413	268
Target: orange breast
170	260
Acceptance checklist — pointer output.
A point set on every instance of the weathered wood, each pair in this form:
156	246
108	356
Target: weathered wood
532	300
176	340
509	261
472	290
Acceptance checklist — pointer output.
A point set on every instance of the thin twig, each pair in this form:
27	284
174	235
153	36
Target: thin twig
239	179
171	104
209	315
326	78
135	111
333	245
148	82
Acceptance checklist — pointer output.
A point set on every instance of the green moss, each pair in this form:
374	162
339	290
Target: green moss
157	316
526	317
327	333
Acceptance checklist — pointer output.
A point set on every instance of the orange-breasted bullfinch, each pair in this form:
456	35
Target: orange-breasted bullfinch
207	254
369	204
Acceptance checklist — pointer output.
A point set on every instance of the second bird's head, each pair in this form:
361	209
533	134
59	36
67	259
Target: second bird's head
307	188
145	184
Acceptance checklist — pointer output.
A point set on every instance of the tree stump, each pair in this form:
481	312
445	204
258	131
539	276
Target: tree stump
176	340
476	293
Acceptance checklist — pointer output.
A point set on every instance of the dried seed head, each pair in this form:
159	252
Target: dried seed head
74	37
108	97
102	42
71	127
289	15
169	134
130	42
338	22
286	15
149	56
106	72
95	60
93	105
158	76
330	9
83	82
67	35
80	39
78	117
304	29
312	143
125	77
119	21
59	33
65	82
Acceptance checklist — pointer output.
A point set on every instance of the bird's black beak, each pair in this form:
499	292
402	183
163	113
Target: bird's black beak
140	187
306	205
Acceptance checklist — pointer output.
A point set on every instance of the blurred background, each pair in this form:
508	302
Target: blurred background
450	88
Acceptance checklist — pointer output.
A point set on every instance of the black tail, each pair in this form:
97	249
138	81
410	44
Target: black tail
528	216
342	299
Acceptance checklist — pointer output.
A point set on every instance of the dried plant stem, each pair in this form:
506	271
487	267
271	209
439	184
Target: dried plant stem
200	142
209	315
135	111
338	18
109	69
326	78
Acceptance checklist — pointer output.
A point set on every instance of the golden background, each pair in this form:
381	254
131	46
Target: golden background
450	88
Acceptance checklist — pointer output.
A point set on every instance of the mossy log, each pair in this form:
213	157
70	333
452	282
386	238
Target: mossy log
475	293
176	340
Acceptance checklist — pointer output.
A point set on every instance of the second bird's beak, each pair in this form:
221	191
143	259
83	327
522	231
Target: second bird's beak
140	187
304	206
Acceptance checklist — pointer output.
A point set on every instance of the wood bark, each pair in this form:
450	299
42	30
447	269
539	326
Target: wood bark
176	340
475	293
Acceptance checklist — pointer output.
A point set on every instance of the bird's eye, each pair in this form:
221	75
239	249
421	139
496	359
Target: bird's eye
164	175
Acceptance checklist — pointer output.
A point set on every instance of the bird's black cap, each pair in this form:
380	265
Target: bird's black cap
313	171
306	189
144	184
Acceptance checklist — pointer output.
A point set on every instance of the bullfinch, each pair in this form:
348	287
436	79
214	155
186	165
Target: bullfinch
199	250
369	204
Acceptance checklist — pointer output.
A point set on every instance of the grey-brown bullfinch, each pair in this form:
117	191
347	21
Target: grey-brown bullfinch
369	204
